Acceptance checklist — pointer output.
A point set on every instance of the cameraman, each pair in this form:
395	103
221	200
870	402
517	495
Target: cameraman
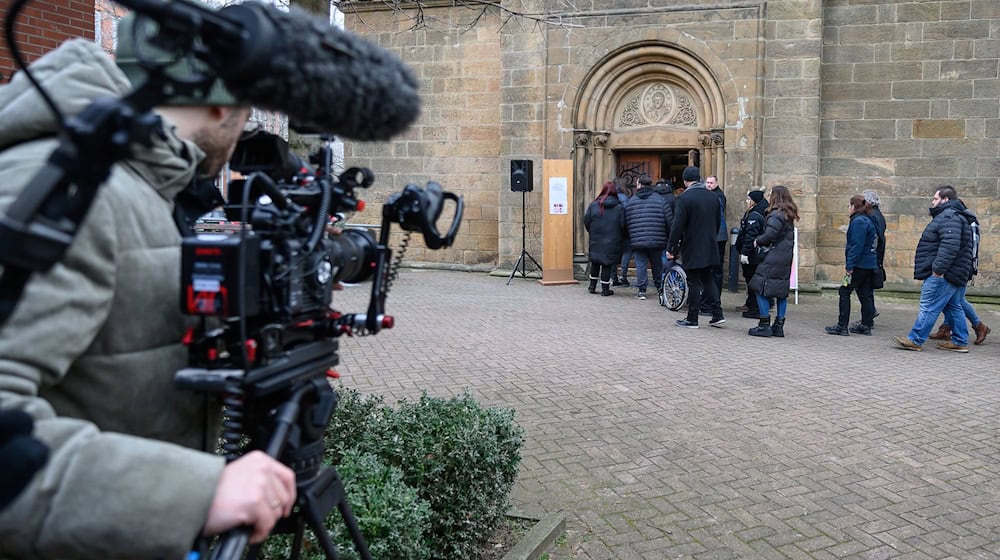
92	349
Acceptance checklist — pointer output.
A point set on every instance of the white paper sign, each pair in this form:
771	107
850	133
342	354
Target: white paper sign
558	195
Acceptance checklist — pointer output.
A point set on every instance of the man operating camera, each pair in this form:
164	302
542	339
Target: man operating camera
92	349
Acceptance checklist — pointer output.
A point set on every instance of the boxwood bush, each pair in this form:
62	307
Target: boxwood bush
391	515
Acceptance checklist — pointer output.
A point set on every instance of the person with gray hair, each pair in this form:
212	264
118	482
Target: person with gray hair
871	197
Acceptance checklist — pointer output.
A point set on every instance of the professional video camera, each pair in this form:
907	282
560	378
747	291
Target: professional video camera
267	338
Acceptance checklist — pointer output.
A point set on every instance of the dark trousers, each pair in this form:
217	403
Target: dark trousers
701	286
706	304
748	271
651	257
861	282
601	270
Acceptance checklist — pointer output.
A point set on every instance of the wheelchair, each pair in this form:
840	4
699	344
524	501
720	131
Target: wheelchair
674	294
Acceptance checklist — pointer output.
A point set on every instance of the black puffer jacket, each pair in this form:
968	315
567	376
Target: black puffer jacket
751	226
607	230
775	270
945	246
879	220
647	218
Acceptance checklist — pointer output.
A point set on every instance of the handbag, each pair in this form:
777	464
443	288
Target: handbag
878	281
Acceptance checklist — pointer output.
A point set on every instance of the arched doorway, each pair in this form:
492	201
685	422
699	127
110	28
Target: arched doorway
646	103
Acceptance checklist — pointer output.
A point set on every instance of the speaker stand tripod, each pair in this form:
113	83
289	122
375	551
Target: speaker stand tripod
524	252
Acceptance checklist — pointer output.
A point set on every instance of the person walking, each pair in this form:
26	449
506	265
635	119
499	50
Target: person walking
647	220
604	220
777	244
860	267
751	226
981	330
943	260
871	197
692	236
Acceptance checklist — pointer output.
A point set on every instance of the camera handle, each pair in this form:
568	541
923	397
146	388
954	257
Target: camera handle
416	209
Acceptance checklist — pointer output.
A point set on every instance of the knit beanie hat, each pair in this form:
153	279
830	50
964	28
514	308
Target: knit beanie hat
871	197
755	196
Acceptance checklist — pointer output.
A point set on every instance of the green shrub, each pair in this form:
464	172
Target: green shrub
355	419
460	457
390	514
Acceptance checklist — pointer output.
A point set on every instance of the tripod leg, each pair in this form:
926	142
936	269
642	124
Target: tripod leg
538	266
513	272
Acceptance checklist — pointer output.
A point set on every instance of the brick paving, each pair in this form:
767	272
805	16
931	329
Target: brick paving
661	442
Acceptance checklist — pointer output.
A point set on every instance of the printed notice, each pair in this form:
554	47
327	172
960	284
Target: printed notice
558	195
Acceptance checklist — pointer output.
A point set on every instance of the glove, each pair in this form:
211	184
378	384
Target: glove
744	259
20	454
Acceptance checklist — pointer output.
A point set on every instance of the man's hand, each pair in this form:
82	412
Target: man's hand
254	490
670	256
744	259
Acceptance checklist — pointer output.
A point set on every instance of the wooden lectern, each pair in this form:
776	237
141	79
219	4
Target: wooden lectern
557	222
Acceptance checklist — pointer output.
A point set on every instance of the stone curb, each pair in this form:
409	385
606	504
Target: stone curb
539	538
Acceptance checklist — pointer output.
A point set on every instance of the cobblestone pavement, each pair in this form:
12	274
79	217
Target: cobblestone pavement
661	442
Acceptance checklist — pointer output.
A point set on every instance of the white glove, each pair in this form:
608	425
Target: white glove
744	259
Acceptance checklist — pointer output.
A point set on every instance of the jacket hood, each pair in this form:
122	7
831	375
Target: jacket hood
74	75
760	208
611	202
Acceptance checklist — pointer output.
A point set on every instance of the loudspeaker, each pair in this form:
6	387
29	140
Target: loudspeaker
520	175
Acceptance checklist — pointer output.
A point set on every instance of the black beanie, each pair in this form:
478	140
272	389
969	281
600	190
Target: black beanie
691	173
756	196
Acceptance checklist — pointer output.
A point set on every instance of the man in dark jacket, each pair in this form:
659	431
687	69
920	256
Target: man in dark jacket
692	236
648	226
944	262
871	197
721	237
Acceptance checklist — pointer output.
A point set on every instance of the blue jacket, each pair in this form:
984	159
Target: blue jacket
862	241
646	215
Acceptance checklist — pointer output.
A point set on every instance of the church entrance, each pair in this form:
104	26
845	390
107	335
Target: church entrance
661	164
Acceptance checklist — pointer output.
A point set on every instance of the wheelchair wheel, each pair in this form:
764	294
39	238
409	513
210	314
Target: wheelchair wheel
675	288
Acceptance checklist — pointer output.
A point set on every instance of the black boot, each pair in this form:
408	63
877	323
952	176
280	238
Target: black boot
762	329
592	288
606	289
778	328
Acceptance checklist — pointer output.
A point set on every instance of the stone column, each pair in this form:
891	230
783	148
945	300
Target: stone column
583	187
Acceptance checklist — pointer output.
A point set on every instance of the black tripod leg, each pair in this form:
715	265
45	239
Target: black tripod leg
538	266
315	521
513	272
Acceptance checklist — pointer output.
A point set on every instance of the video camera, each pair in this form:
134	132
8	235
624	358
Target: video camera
267	338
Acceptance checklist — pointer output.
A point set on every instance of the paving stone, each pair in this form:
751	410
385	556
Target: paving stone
661	442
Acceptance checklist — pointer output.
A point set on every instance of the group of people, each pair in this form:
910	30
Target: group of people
656	225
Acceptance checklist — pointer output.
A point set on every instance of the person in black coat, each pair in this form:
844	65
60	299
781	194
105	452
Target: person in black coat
774	272
625	191
860	266
871	197
751	226
647	221
692	236
722	238
604	220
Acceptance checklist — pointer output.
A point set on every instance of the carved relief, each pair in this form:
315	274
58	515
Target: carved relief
601	140
582	139
655	104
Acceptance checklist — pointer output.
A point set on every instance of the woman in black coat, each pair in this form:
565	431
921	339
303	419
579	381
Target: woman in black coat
751	226
605	222
774	272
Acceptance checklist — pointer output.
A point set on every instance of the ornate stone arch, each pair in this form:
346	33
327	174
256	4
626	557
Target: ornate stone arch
616	109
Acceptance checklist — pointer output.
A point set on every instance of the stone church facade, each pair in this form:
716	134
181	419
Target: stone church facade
826	97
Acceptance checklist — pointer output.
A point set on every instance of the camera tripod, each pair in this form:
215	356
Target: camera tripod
284	408
524	252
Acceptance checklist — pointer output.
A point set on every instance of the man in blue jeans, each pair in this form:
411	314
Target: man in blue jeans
648	218
944	262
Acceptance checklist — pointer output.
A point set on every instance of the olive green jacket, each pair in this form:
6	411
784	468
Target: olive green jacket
92	349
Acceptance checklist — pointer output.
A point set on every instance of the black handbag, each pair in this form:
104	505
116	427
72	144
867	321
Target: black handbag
878	281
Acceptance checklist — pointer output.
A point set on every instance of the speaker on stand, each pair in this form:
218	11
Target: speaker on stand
521	181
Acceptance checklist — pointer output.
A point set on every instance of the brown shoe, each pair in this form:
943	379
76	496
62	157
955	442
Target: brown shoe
943	333
981	331
949	345
905	343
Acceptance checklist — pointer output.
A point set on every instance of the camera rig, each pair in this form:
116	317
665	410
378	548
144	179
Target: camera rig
267	338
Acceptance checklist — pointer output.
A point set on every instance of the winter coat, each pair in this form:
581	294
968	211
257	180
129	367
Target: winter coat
945	246
667	192
696	222
607	230
862	240
775	270
93	346
647	219
879	220
723	233
751	226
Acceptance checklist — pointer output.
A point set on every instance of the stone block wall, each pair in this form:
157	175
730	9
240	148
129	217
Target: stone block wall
43	25
909	102
457	139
